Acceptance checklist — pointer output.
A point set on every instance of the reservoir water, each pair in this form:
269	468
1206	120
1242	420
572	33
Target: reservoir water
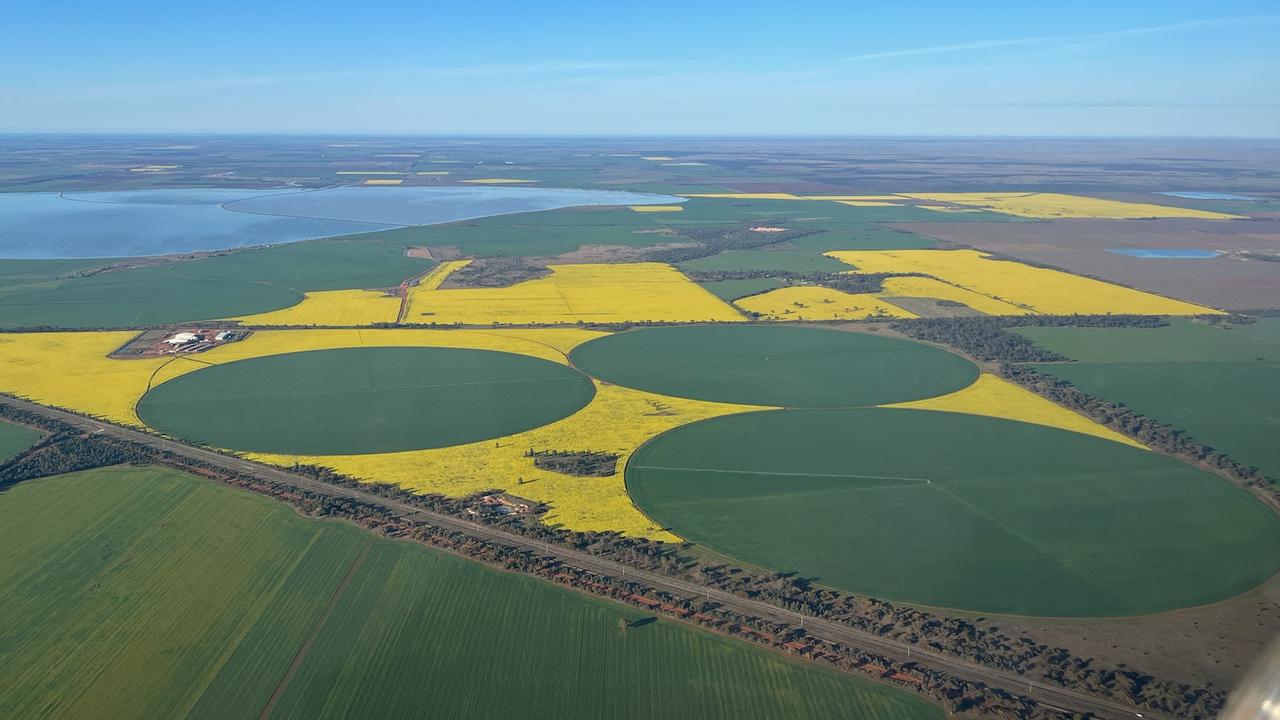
158	222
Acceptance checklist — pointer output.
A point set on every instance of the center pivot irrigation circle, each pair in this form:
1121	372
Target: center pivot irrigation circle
793	367
364	400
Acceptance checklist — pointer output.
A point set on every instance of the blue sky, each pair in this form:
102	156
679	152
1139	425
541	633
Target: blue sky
658	67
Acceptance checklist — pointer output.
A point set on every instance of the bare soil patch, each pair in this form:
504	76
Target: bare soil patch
1214	643
495	272
1236	280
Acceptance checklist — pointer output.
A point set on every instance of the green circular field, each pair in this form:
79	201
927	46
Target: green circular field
793	367
958	511
364	400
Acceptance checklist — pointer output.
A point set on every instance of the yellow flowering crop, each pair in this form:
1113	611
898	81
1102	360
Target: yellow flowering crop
397	181
71	369
623	292
436	276
810	302
993	397
925	287
1058	205
655	208
618	420
868	203
332	307
1039	290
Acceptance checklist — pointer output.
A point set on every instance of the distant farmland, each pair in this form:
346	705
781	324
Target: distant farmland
1221	386
150	593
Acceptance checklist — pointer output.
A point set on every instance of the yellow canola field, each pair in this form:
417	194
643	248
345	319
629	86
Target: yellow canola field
624	292
923	287
655	208
991	396
1040	290
617	420
71	370
332	307
1058	205
436	276
382	182
811	302
498	181
868	203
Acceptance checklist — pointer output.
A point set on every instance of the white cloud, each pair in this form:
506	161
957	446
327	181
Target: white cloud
1208	23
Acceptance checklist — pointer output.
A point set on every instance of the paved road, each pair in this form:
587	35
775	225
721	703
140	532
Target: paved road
1049	695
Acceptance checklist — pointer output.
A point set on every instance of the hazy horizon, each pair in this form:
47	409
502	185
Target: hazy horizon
933	69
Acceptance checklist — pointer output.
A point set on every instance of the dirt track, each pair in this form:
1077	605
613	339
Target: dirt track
1048	695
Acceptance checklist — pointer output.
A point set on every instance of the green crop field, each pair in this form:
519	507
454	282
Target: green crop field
803	261
817	213
859	236
372	261
364	400
540	233
148	593
733	289
958	511
1221	386
1181	341
774	365
127	298
44	292
15	438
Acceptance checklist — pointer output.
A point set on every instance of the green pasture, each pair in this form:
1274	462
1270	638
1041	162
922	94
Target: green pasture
801	261
774	365
729	290
1219	385
15	438
958	511
364	400
242	282
149	593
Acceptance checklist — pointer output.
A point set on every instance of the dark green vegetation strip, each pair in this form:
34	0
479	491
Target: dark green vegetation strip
244	282
364	400
15	438
1222	386
774	365
958	511
148	593
804	261
733	289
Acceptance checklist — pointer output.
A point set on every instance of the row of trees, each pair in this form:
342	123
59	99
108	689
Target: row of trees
989	339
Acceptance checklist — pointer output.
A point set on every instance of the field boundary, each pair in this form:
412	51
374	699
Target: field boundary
307	644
